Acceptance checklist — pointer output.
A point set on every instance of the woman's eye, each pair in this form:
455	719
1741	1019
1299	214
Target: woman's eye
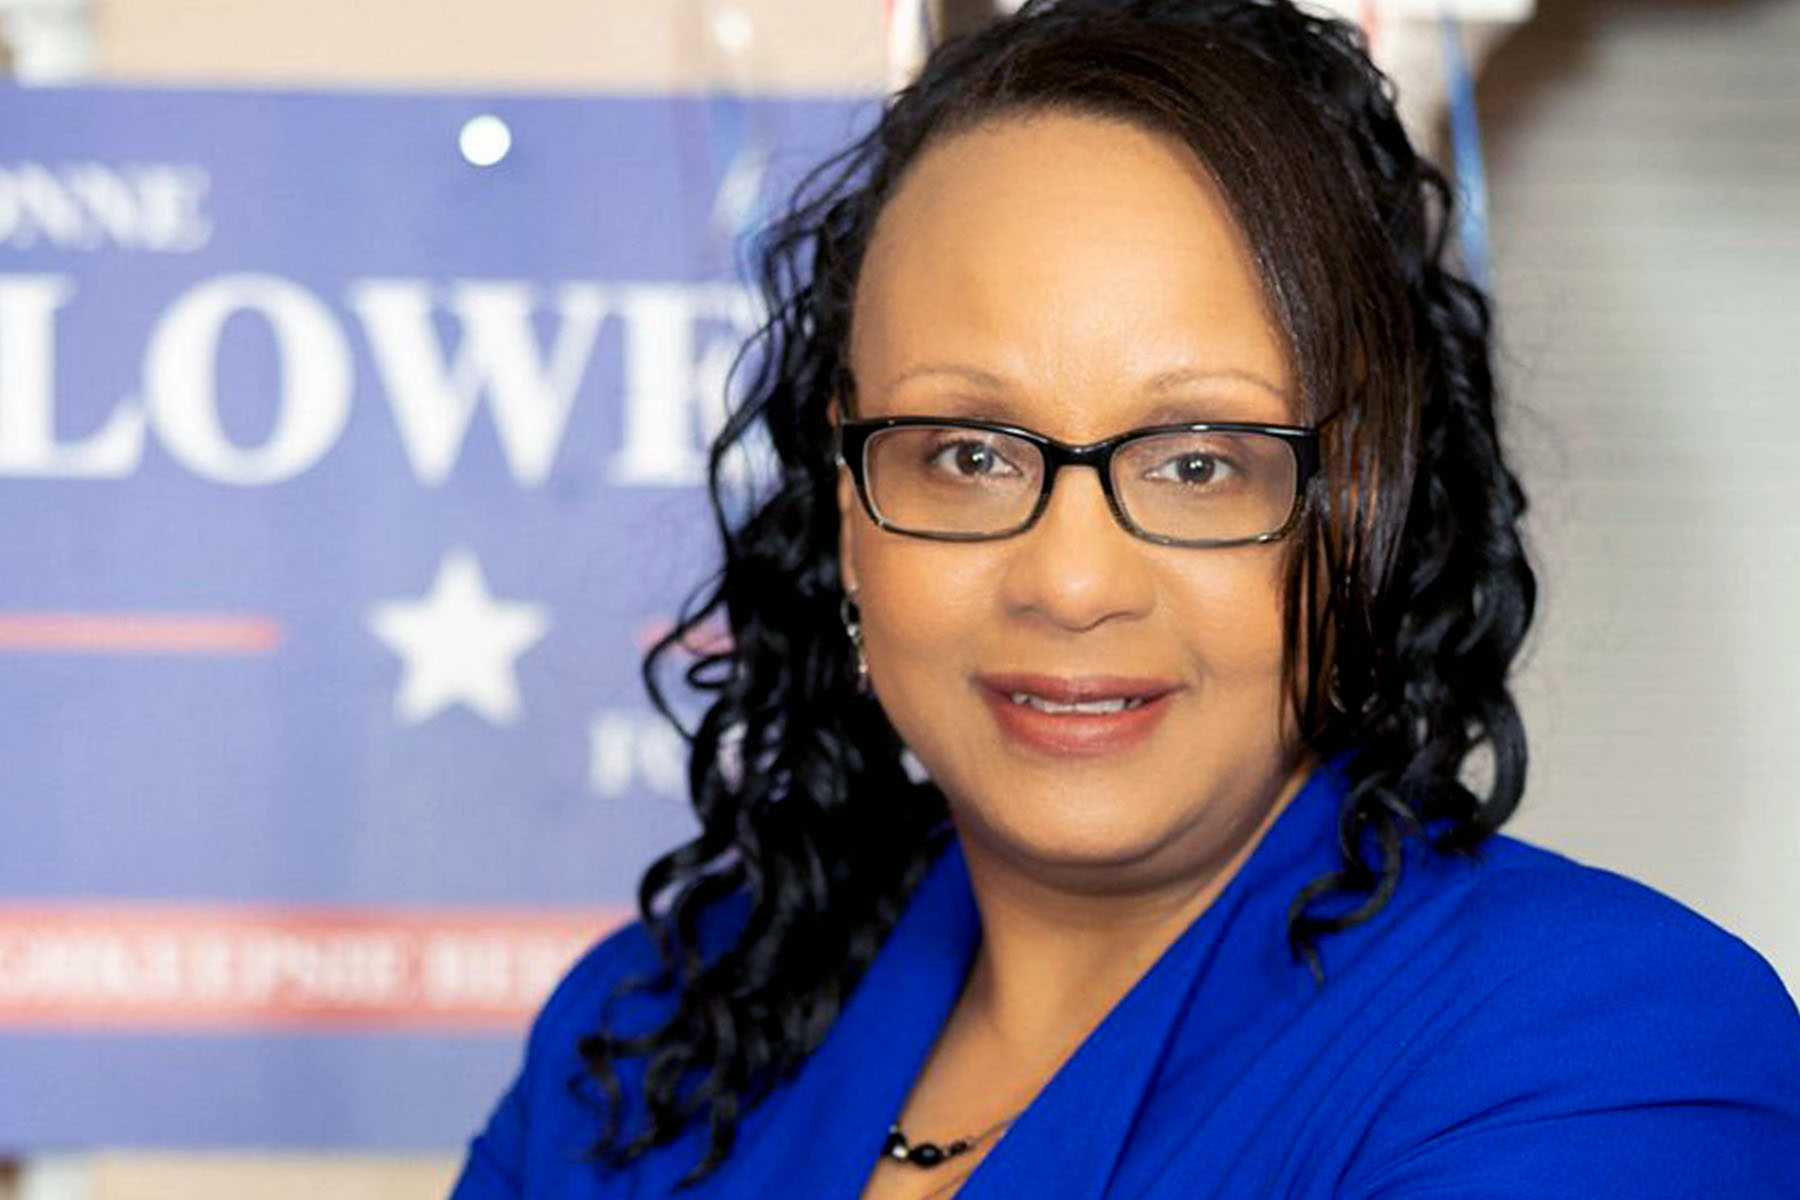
970	460
1194	470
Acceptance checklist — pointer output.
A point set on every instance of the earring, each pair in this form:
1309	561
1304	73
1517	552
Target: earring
1334	696
915	768
848	613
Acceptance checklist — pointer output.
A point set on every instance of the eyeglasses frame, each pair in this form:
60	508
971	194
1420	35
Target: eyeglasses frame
853	437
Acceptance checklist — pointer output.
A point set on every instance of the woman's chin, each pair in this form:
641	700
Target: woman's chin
1096	846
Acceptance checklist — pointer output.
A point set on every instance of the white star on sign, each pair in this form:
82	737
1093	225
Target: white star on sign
459	644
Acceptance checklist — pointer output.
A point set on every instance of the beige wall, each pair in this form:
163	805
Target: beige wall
116	1176
534	45
286	1177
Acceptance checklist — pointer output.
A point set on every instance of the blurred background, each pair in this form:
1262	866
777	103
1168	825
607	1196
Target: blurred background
357	360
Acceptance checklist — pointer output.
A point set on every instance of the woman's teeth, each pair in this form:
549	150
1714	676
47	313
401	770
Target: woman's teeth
1092	707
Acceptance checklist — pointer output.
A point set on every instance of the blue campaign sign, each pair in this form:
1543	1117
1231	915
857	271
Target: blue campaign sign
342	482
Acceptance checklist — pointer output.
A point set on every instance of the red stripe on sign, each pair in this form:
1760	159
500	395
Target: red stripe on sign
138	633
159	967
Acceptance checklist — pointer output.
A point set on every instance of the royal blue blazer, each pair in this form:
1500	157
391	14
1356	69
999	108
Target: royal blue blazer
1512	1027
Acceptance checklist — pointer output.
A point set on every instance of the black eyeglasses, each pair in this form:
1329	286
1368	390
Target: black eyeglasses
1202	485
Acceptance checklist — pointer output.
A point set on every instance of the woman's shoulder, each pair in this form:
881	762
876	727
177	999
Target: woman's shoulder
1513	912
1516	903
1526	991
1567	965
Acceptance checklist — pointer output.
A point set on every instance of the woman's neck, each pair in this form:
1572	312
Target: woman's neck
1059	947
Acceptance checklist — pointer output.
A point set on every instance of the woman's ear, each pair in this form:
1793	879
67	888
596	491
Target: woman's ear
847	511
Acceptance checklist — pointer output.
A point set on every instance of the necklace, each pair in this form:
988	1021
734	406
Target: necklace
930	1154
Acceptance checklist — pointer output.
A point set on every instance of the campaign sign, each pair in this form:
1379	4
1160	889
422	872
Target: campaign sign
350	456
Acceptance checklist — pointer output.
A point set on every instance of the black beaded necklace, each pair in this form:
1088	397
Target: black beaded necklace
930	1154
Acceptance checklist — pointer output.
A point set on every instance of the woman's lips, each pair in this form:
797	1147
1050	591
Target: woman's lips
1037	711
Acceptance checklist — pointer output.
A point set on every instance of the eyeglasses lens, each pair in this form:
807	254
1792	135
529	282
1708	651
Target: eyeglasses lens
1222	486
943	479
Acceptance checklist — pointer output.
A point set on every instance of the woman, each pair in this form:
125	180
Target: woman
1084	795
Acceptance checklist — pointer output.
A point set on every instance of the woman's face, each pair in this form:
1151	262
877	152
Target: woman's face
1079	277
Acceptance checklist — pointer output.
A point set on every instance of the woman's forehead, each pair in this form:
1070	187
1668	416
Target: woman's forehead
1061	256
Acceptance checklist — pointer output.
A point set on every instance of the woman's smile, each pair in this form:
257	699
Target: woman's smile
1076	715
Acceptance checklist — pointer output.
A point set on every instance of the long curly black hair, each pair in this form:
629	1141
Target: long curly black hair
1408	590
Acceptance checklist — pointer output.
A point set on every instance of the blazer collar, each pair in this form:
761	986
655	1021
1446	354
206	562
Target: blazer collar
825	1131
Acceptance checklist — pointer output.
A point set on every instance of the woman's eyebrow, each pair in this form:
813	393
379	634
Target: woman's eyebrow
989	397
967	374
985	401
1182	376
1162	381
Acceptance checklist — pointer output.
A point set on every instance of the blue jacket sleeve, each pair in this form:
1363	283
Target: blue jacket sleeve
1661	1061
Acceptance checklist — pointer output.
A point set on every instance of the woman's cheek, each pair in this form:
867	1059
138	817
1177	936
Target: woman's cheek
924	602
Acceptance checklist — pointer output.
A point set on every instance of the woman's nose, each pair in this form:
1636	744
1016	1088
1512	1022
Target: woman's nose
1077	568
